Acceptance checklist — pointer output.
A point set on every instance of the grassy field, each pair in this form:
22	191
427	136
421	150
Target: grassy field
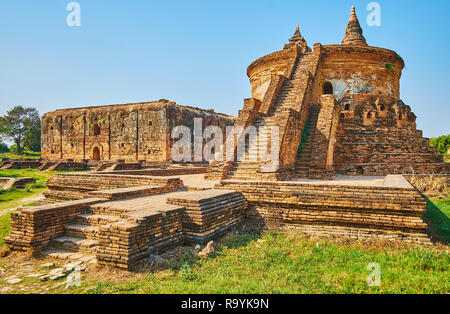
28	155
278	263
4	228
439	217
291	264
13	197
274	263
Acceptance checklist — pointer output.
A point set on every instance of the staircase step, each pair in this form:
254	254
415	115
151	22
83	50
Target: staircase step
75	244
86	231
95	220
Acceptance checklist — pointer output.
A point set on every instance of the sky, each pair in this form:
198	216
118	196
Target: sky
196	52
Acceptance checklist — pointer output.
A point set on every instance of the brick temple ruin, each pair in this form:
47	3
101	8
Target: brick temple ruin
346	139
347	99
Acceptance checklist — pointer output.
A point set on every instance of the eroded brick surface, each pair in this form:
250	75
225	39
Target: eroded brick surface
129	133
347	97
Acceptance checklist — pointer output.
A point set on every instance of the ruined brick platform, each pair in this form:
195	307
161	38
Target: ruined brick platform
338	111
68	186
362	208
8	183
122	227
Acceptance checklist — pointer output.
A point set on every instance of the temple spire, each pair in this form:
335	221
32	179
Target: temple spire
297	36
298	39
354	33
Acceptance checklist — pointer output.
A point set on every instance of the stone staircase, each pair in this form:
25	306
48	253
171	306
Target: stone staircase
292	89
47	165
124	232
289	97
81	235
304	156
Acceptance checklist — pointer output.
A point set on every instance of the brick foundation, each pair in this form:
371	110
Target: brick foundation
347	211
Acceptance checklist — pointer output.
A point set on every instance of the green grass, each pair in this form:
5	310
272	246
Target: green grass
4	228
293	264
305	135
13	197
289	264
439	217
285	264
25	155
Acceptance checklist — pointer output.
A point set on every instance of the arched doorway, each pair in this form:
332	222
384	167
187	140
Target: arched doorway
96	153
327	88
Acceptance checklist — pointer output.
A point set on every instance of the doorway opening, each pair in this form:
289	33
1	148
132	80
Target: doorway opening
96	153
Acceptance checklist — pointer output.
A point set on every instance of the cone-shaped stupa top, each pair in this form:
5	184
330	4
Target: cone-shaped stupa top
297	38
354	33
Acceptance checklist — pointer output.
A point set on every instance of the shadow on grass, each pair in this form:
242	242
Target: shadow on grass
236	239
438	221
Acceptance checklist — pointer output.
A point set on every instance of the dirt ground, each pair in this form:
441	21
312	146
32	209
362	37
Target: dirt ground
20	273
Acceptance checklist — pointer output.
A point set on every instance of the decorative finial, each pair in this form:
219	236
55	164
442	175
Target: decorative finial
298	40
354	33
297	36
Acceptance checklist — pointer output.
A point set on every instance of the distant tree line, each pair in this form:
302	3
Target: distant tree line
21	126
442	144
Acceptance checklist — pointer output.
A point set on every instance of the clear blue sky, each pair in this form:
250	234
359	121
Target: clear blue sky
196	52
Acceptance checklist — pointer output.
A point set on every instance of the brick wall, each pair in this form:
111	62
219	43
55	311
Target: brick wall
133	132
378	211
78	185
32	228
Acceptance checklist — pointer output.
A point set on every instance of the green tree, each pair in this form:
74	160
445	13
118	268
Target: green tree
3	148
442	144
32	138
21	125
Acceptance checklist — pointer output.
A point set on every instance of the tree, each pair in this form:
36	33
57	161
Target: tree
32	138
3	148
21	125
442	144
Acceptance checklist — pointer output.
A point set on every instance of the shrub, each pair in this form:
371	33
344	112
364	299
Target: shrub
389	67
442	144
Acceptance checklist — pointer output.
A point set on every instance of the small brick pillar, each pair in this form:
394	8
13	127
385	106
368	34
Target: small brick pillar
322	164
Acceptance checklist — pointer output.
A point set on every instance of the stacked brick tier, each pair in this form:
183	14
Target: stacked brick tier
32	228
167	172
80	185
126	244
20	164
384	148
123	233
20	183
63	166
326	208
210	213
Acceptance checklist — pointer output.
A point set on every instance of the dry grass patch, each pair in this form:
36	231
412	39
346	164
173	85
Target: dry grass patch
432	186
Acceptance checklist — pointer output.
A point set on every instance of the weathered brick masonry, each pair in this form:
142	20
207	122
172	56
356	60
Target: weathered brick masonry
122	219
332	209
338	109
81	185
129	133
